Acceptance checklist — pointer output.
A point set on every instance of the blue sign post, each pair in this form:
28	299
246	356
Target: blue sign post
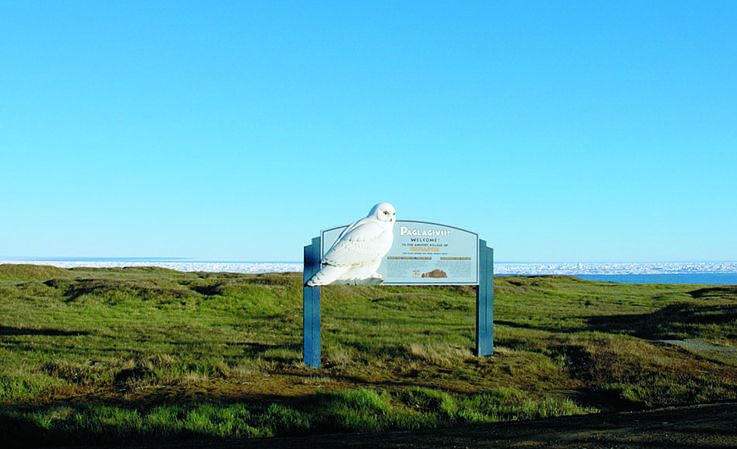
421	253
311	306
485	302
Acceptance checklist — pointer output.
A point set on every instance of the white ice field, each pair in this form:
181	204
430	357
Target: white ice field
501	268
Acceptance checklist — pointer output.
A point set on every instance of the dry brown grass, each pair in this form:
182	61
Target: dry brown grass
440	354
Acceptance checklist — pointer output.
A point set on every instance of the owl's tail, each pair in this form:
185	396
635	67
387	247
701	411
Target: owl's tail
327	275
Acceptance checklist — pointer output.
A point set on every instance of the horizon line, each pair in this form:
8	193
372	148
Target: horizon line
201	260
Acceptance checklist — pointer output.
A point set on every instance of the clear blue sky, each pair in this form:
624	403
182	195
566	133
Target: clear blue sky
560	131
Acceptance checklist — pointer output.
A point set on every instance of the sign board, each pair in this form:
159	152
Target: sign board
382	250
424	253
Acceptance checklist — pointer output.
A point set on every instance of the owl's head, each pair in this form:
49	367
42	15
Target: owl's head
384	212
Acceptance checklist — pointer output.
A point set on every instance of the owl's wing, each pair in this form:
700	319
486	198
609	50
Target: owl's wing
360	243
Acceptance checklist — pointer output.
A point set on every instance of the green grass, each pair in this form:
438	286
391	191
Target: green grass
135	354
364	410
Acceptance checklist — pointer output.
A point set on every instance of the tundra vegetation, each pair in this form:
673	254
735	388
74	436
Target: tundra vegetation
147	354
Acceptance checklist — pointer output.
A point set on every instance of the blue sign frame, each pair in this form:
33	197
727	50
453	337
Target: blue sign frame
484	297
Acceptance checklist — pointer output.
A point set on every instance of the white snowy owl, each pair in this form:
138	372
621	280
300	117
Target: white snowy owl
356	254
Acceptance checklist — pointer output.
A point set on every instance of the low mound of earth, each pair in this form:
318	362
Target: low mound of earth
28	272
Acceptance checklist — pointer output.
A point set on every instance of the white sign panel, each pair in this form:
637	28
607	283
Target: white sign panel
424	253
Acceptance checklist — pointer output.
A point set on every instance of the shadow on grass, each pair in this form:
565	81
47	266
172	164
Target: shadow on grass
730	292
536	327
357	381
669	322
22	432
664	323
9	330
357	410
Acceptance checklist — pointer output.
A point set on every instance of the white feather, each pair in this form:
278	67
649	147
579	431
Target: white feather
357	252
327	275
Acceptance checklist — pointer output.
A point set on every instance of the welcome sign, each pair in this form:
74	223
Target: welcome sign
380	250
424	253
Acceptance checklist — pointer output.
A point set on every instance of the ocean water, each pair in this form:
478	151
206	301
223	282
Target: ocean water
714	273
676	278
625	272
